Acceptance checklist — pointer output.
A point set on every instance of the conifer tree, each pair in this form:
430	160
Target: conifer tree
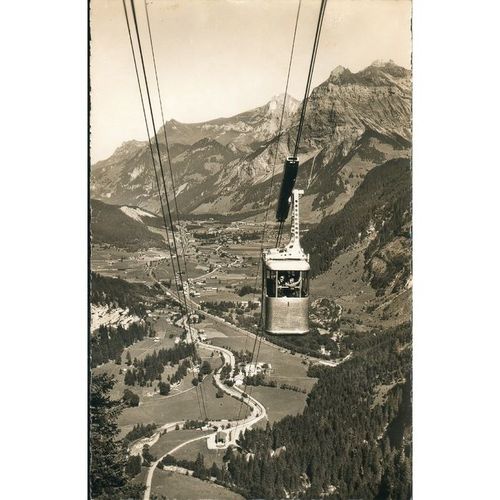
107	463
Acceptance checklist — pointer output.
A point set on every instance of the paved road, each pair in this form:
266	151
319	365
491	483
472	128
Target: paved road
258	410
136	447
149	478
217	268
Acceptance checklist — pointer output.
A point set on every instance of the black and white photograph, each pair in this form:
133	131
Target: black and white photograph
251	250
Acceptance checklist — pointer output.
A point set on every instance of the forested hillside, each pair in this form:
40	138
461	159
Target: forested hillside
109	224
121	293
378	215
352	440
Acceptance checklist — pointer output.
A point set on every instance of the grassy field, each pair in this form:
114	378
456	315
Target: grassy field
172	439
140	350
182	407
279	402
121	263
146	346
286	368
191	450
164	270
141	477
174	486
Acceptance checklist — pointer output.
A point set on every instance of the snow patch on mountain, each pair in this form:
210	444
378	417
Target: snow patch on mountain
136	213
181	188
136	172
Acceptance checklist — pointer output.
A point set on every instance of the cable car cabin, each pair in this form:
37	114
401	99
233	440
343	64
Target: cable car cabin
286	297
285	283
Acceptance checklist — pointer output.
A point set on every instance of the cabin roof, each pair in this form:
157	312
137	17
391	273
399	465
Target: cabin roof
288	265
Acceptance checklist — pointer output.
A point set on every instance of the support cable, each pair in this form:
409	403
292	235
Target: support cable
308	87
310	75
134	15
174	190
150	144
171	181
297	142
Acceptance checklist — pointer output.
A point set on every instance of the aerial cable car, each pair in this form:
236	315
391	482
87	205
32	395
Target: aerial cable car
285	270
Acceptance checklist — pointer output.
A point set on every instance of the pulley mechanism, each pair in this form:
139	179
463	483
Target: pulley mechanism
288	182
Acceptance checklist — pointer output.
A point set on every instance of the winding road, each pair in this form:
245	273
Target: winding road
258	411
154	465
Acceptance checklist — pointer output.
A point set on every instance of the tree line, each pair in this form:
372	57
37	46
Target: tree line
385	189
139	431
108	342
121	293
110	467
152	366
339	446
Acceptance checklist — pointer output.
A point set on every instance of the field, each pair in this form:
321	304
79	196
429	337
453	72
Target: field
279	402
139	350
175	486
148	345
172	439
285	367
191	450
184	406
123	264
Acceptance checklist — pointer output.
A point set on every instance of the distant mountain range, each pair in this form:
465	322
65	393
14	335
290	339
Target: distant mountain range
354	121
355	169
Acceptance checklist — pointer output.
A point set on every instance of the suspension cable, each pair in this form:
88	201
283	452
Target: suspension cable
307	89
161	169
297	142
172	184
150	144
174	190
310	75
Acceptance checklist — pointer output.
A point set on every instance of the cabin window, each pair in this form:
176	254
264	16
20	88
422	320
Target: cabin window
271	283
289	284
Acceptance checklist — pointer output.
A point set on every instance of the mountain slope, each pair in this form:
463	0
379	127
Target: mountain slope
239	131
125	227
367	245
354	168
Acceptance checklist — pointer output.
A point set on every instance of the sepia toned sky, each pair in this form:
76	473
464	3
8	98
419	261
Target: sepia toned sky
221	57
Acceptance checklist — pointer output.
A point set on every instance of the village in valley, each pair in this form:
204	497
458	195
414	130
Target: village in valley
222	262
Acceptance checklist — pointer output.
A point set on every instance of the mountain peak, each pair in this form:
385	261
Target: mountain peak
128	147
380	63
276	103
337	72
388	67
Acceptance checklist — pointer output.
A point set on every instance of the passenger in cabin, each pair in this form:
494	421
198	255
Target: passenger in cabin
305	284
281	284
294	286
289	284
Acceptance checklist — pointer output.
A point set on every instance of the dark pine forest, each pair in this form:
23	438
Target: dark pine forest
353	440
